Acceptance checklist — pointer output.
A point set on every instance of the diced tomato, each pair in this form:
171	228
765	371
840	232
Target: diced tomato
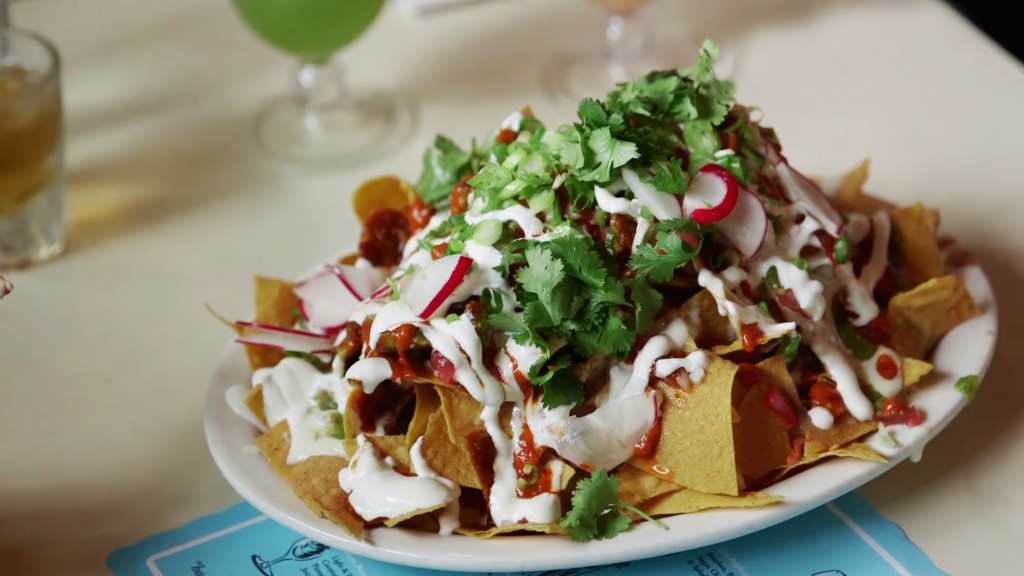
443	367
460	196
878	330
897	411
437	252
419	214
825	395
506	136
779	404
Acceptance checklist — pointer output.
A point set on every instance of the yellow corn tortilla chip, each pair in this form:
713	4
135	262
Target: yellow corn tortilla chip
392	522
845	430
636	485
775	371
914	370
275	306
427	403
254	401
314	480
485	533
381	193
701	311
853	450
850	195
392	446
685	501
920	317
761	436
449	459
914	227
696	448
461	411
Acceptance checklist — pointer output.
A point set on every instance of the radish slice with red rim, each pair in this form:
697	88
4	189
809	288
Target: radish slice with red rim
711	196
362	282
803	190
283	339
429	291
328	299
747	225
663	206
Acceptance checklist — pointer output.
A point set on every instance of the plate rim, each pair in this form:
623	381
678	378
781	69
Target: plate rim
802	492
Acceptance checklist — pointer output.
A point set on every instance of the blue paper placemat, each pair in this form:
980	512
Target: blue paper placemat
844	538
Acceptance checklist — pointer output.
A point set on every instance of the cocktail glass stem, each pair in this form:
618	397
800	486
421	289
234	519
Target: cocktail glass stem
624	45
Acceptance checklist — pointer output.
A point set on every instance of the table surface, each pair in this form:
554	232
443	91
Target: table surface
105	352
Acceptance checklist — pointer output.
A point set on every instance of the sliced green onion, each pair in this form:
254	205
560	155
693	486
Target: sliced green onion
862	349
841	250
790	346
771	280
487	232
800	263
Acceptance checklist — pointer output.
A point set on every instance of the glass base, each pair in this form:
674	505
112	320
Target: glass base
353	130
35	234
573	76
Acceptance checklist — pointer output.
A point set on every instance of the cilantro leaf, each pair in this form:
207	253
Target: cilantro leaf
659	262
968	386
562	388
580	259
646	301
444	164
596	512
609	152
670	177
541	276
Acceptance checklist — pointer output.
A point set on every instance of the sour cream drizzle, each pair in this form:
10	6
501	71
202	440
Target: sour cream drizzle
289	394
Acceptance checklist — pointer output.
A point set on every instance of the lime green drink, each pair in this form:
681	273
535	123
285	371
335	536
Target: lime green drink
313	30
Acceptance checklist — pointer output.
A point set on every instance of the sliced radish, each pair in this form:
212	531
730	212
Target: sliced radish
663	206
284	339
327	300
802	189
711	196
361	281
430	290
747	225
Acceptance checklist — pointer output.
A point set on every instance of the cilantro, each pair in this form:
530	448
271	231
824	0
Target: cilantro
609	152
563	388
659	262
324	401
337	427
543	272
647	302
581	262
444	164
300	319
968	386
670	176
596	511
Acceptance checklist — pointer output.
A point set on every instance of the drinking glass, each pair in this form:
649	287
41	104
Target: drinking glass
628	52
323	121
31	150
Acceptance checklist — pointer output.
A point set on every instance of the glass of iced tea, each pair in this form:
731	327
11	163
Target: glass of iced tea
31	150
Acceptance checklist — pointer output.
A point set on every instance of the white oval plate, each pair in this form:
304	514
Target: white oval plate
965	350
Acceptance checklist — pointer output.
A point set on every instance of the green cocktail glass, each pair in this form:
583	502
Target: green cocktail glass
323	122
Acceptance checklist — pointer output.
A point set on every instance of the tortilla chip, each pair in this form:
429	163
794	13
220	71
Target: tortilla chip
485	533
761	436
915	227
254	401
314	480
392	446
850	195
858	450
696	449
636	486
275	306
775	371
708	328
922	316
685	501
427	402
845	430
381	193
461	412
914	370
447	458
